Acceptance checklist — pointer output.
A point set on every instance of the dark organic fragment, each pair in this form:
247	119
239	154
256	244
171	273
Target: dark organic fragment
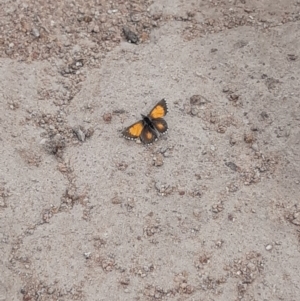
232	166
292	57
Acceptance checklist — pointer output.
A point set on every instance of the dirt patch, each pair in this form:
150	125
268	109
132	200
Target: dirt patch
209	211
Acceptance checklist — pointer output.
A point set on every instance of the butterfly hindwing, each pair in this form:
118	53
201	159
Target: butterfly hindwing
160	125
148	135
134	131
160	110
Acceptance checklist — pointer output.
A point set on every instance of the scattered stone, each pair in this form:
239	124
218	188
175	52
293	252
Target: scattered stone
121	165
234	97
119	111
107	264
196	212
87	19
271	83
269	247
79	133
196	193
232	166
112	11
231	217
89	132
103	19
221	129
62	167
264	115
35	32
187	109
125	281
25	25
72	68
135	17
130	35
158	160
232	140
87	255
232	187
198	100
181	191
282	131
194	111
254	146
296	218
240	44
116	200
292	57
219	243
96	29
217	208
249	138
107	117
51	290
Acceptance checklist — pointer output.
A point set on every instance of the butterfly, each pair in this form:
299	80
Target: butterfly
150	126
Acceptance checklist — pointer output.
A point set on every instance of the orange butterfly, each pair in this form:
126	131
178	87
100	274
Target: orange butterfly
150	126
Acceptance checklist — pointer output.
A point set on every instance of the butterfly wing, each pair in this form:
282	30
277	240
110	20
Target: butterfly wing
148	135
160	110
143	129
134	131
160	125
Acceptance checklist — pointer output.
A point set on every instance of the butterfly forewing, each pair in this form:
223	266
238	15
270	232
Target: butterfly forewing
160	110
134	131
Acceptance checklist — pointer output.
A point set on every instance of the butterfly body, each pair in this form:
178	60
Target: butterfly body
150	126
148	122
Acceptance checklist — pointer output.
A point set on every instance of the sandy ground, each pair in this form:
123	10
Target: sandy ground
208	212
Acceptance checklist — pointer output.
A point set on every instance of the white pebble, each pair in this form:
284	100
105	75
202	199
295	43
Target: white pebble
269	247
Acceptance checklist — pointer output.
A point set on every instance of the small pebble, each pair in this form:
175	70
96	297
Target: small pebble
79	133
194	111
107	117
116	200
249	138
130	35
254	146
87	255
135	17
158	160
197	212
96	29
103	19
35	32
296	220
269	247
